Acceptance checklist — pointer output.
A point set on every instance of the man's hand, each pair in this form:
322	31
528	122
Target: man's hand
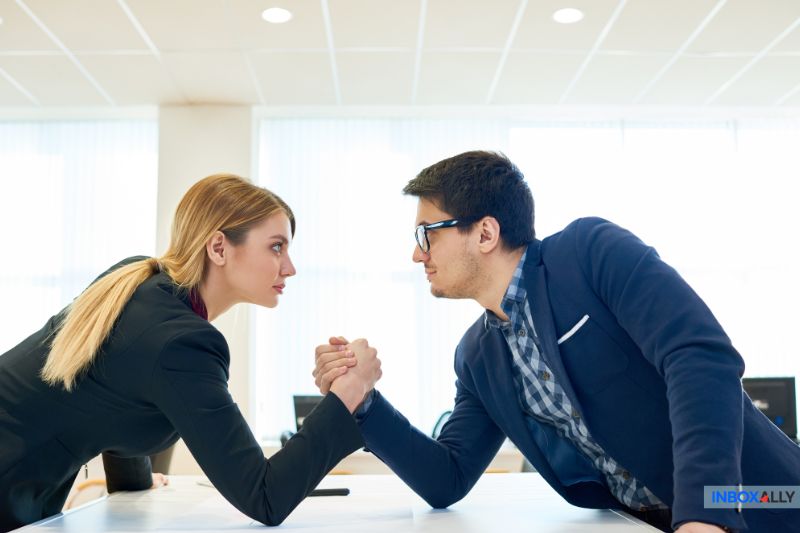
698	527
332	360
354	380
159	480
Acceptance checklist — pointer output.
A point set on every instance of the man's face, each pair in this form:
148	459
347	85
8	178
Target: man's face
451	264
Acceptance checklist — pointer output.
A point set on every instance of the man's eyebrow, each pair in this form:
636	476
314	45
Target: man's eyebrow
422	223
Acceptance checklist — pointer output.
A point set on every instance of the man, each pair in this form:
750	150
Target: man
593	356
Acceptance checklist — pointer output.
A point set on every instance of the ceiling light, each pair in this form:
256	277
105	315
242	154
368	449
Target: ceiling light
568	15
276	15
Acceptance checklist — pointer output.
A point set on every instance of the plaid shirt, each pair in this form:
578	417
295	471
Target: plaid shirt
543	398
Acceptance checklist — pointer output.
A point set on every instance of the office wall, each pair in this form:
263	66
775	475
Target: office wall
194	142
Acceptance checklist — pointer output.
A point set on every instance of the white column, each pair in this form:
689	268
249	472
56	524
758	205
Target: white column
194	142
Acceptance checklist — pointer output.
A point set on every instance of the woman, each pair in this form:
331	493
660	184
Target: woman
133	364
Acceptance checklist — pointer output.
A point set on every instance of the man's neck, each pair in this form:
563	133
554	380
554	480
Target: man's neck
500	271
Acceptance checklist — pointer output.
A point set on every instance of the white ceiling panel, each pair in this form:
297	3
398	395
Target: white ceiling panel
185	25
764	83
789	44
614	79
133	80
53	80
222	51
531	78
691	80
656	25
793	101
305	30
472	23
212	77
289	78
375	23
445	80
88	24
10	96
538	30
746	26
375	78
19	32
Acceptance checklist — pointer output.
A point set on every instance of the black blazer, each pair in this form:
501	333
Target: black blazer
161	375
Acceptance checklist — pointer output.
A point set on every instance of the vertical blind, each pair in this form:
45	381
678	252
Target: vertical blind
714	198
78	196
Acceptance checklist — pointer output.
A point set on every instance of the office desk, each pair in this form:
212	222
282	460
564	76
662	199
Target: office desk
506	503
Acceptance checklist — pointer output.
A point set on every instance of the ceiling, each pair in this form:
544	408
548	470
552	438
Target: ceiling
112	53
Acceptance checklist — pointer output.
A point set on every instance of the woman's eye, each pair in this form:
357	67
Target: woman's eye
277	247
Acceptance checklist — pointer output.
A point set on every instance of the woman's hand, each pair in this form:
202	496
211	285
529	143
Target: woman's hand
350	377
332	360
159	480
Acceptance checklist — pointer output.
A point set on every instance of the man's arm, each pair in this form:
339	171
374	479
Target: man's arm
679	335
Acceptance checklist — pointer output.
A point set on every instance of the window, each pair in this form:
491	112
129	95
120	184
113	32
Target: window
78	196
712	197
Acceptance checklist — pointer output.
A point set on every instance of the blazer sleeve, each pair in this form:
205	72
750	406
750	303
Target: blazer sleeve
132	473
679	335
190	387
441	471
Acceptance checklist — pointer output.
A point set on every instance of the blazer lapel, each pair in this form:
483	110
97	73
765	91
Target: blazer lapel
503	405
542	312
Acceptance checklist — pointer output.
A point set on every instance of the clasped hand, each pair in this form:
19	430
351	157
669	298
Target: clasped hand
347	369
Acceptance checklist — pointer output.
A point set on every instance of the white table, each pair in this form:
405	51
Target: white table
506	503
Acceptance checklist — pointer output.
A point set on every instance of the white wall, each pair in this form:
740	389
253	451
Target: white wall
194	142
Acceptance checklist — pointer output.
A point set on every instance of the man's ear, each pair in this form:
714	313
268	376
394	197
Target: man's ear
489	234
216	248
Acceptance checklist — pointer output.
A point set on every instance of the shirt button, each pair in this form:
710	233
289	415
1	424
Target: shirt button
522	332
545	375
575	414
626	475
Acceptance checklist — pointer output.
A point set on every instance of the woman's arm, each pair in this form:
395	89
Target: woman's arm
131	473
190	387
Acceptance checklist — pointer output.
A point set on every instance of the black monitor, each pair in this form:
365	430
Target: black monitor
775	397
303	405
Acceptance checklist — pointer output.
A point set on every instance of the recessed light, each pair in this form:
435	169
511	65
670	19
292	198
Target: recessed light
568	15
277	15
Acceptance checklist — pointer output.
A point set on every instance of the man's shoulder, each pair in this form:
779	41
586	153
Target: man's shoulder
467	348
581	227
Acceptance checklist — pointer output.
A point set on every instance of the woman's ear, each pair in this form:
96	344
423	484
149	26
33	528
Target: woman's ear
215	248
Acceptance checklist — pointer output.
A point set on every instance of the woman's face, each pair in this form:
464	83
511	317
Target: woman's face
257	268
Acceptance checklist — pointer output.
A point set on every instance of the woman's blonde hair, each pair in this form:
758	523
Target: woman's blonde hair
222	202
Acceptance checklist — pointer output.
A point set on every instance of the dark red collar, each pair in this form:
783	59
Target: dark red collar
198	305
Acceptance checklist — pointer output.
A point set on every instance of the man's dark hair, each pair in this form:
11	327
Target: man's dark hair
476	184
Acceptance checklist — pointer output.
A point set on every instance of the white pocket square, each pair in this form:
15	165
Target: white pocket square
574	329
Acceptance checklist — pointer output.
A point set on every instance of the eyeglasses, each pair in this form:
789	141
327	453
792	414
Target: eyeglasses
421	233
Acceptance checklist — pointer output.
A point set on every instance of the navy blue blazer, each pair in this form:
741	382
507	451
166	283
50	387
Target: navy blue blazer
651	371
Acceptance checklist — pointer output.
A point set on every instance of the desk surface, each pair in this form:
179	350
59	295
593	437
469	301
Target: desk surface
506	503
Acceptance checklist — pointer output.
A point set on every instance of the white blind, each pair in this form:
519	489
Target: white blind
78	196
716	200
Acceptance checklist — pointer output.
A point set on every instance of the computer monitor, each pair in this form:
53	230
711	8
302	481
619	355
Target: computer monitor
775	397
303	405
